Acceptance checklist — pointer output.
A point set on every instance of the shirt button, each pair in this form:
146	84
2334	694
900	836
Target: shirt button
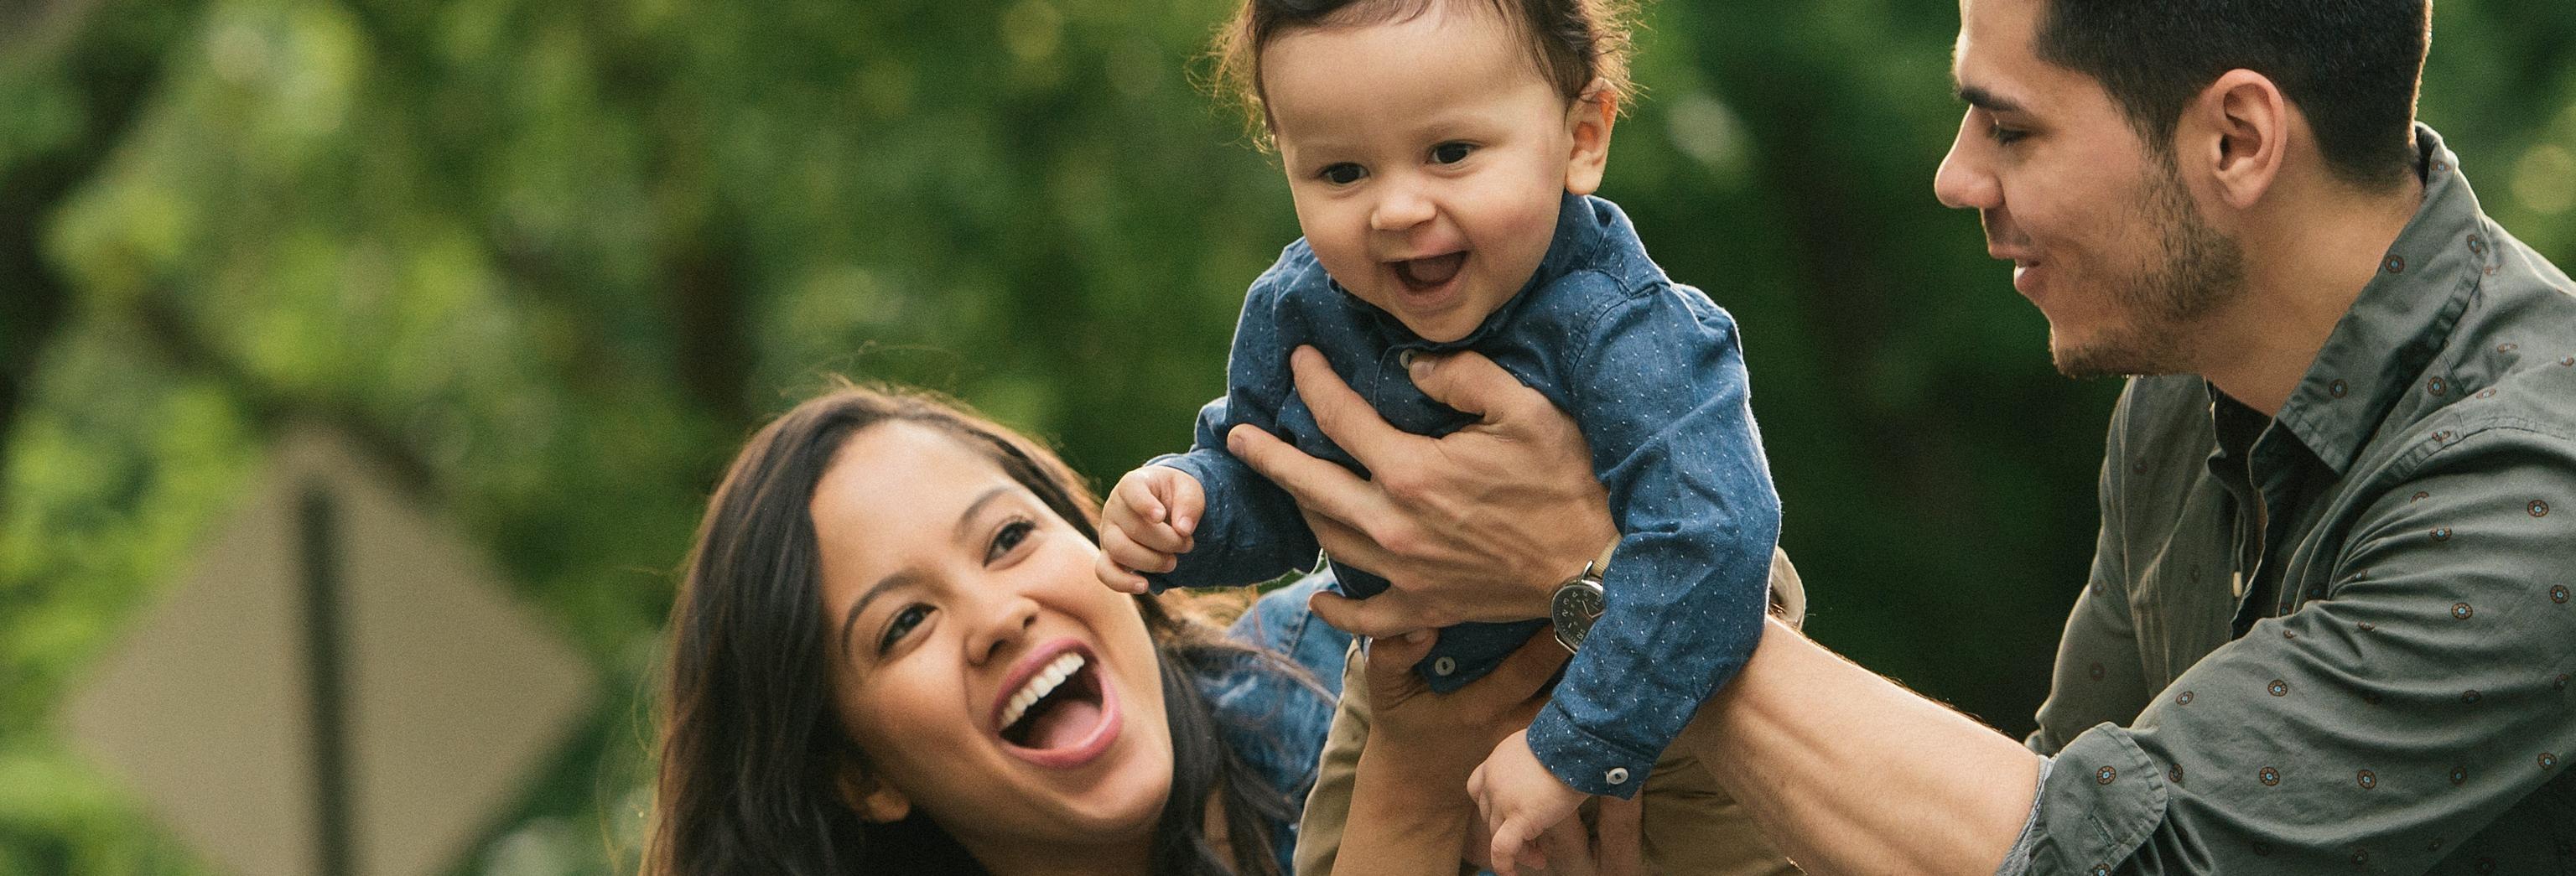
1616	775
1443	666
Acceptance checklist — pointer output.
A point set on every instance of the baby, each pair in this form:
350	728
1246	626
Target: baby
1442	155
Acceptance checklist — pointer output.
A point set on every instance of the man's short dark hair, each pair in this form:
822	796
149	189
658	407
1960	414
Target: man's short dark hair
2351	65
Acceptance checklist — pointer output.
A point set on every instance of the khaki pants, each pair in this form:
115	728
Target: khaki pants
1691	826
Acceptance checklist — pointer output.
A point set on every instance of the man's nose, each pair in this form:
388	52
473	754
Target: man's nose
1965	179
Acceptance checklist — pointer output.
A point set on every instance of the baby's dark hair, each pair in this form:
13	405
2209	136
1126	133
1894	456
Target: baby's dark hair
1571	41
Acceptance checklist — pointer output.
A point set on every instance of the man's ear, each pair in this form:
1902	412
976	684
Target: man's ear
875	801
2238	132
1588	123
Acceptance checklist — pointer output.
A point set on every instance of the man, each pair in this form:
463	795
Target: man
2329	626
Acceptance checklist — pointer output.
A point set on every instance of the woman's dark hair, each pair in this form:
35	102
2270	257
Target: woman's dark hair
750	750
1572	41
2353	66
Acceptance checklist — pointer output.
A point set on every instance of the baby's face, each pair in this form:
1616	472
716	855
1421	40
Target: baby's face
1427	159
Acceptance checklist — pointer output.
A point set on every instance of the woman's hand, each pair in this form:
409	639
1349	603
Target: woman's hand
1410	813
1479	525
1440	738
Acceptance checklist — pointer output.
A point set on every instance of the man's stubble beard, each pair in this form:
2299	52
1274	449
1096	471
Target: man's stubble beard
2192	271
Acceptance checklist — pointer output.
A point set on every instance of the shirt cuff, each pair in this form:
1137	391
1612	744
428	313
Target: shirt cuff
2097	804
2017	859
1584	761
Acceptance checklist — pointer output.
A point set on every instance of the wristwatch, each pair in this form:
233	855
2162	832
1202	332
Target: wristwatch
1578	601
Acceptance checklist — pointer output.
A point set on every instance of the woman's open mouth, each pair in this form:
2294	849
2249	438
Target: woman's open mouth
1060	713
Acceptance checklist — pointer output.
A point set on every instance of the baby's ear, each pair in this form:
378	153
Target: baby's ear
875	801
1587	124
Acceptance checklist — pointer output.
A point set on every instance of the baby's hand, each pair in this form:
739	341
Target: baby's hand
1520	799
1146	525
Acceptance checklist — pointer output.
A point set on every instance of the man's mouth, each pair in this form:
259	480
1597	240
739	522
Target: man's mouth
1059	714
1426	274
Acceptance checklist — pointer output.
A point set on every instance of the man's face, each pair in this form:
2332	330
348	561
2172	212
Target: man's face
2104	235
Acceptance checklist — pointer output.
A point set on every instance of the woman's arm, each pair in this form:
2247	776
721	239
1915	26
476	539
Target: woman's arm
1410	813
1409	810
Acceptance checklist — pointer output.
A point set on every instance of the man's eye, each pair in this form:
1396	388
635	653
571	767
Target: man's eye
1341	174
911	616
1450	153
1010	536
2005	136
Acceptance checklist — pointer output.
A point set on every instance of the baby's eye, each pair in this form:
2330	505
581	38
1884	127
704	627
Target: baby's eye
911	616
1450	153
1341	174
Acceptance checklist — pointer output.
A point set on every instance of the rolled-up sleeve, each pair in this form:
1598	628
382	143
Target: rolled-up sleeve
2377	729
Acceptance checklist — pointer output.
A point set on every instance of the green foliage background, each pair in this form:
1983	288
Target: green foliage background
553	260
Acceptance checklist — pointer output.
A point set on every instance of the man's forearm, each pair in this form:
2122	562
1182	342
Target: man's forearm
1850	773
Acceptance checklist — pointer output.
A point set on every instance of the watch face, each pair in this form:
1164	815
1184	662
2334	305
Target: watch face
1576	606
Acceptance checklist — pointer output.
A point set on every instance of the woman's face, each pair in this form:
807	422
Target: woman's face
988	678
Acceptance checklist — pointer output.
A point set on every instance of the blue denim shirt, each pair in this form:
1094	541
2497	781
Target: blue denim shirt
1652	374
1275	720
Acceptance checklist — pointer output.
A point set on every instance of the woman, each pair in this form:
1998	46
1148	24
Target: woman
891	655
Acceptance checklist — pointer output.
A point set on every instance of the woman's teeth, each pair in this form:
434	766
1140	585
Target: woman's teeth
1043	683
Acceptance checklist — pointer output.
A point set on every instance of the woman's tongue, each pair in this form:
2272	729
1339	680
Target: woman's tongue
1063	723
1421	274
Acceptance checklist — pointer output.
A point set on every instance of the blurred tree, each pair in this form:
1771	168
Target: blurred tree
554	260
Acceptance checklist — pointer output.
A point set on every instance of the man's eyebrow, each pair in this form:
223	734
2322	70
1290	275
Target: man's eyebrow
1987	100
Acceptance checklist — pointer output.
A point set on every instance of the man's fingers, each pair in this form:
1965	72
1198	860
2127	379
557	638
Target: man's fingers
1471	383
1318	485
1346	543
1383	616
1343	415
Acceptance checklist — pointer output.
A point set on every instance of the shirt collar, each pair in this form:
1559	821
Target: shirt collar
2401	319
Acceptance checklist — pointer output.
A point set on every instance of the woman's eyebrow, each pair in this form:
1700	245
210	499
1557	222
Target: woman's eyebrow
903	577
887	583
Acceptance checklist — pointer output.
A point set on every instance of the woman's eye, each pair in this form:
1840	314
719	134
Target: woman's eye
903	622
1009	537
1341	174
1450	153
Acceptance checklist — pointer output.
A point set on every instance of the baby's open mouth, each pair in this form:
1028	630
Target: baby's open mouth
1057	707
1423	274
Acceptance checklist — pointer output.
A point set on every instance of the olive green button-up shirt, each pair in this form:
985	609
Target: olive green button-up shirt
2339	640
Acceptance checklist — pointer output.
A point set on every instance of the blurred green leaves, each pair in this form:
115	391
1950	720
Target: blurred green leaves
553	260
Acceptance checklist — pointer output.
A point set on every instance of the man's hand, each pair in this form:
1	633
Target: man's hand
1520	801
1480	525
1146	525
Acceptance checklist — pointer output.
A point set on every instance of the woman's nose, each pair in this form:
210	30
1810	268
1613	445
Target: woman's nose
1401	206
999	623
